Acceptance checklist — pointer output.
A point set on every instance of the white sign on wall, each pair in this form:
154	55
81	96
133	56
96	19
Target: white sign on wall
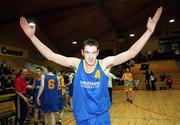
13	51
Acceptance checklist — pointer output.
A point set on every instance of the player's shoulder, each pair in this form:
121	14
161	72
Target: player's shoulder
76	63
102	64
104	67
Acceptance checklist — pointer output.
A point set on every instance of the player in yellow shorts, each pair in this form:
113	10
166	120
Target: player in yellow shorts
127	77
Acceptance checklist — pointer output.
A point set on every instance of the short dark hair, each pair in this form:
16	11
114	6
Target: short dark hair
90	42
21	71
38	67
50	68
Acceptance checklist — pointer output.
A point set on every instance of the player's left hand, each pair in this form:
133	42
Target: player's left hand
153	21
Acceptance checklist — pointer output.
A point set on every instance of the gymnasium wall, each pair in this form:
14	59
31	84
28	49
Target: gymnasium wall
12	36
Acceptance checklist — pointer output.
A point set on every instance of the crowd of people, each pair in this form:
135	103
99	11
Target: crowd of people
158	54
49	94
27	98
7	77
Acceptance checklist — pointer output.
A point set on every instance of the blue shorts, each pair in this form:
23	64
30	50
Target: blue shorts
102	119
51	107
71	90
35	105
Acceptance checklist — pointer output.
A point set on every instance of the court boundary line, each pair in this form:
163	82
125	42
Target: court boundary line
162	114
69	120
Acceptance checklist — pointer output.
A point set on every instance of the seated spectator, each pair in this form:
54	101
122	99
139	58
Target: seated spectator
156	55
163	76
150	55
147	79
5	76
144	66
9	83
177	53
169	82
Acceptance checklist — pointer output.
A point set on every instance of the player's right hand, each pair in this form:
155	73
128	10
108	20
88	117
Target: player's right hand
38	102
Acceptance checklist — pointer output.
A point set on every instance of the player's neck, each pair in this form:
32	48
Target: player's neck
50	73
38	77
89	68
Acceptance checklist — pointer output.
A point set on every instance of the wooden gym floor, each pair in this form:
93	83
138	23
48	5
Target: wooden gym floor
161	107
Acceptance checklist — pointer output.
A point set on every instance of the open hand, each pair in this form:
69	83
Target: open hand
153	21
29	31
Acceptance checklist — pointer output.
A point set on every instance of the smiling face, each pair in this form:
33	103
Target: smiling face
90	54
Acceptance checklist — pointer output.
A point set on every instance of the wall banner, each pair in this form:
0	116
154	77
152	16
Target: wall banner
13	51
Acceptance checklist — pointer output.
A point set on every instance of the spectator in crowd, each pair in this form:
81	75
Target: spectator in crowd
177	54
150	55
169	82
160	52
147	79
162	76
152	81
4	75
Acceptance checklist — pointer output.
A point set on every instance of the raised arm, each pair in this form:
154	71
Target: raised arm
44	50
137	46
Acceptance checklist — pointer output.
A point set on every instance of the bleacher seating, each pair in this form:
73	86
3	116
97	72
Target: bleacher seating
168	66
7	108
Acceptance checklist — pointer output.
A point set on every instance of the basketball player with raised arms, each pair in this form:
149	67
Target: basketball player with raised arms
91	101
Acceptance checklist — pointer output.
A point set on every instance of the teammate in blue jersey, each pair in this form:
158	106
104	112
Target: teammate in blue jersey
49	93
90	93
36	86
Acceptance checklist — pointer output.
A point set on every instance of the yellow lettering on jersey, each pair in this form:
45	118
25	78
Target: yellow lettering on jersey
97	74
51	84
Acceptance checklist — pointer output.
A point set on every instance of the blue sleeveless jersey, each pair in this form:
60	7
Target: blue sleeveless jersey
50	93
90	93
37	86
